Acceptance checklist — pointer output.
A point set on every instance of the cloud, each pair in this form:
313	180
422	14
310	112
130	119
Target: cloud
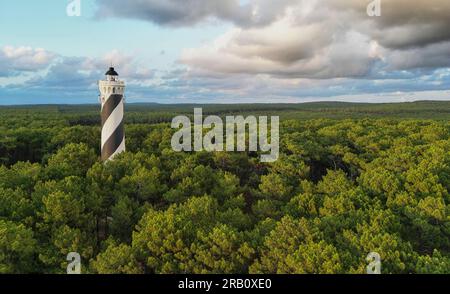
275	51
129	66
184	86
403	23
16	60
314	39
429	57
287	48
176	13
76	77
333	39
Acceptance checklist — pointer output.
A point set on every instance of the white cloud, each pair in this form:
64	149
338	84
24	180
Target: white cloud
288	48
15	60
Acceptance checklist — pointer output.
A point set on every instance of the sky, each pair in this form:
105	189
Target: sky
225	51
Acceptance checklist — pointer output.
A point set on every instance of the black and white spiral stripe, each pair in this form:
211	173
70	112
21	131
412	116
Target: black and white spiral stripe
113	133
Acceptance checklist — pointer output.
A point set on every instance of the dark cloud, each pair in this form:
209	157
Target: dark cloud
403	24
305	39
177	13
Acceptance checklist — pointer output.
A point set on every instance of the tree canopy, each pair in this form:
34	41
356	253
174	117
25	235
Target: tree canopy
341	189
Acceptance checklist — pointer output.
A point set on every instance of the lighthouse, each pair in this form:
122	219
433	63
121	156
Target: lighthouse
112	99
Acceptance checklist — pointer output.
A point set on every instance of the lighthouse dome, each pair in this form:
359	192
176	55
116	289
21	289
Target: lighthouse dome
111	72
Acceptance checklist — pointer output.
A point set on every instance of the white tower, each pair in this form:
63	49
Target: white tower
113	133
